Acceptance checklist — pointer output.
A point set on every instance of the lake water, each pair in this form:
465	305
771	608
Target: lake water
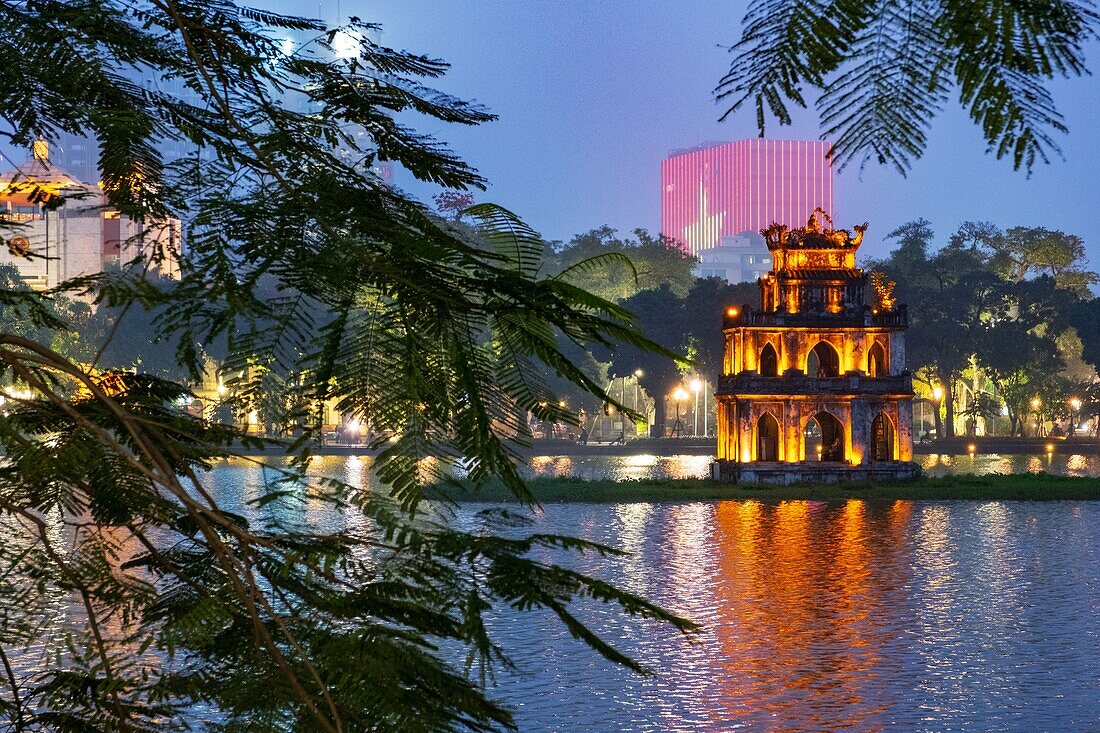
816	616
866	616
916	616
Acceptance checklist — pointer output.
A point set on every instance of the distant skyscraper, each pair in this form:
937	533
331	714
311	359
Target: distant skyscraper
722	189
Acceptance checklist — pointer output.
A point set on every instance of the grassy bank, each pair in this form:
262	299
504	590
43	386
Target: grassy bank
1030	487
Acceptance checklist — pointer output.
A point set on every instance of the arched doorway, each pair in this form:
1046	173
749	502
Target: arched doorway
876	361
823	361
824	438
882	438
767	438
769	361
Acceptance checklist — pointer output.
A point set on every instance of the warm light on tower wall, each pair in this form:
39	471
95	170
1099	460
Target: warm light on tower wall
711	192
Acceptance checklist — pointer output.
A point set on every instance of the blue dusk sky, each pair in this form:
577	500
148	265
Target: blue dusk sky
591	96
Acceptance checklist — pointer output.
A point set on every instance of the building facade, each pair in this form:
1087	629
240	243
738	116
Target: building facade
739	259
55	227
723	189
814	385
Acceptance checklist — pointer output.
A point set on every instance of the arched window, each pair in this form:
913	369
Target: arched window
767	438
769	362
876	361
824	438
823	361
882	438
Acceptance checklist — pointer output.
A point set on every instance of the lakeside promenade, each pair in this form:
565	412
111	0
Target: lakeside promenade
705	446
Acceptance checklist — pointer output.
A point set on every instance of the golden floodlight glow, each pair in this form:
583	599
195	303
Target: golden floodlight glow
937	393
1050	447
1075	404
1036	403
679	394
732	312
971	449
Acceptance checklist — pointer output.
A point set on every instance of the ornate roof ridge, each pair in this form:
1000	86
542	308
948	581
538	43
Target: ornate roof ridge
814	235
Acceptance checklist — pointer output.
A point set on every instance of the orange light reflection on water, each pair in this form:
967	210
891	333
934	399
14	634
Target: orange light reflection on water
802	640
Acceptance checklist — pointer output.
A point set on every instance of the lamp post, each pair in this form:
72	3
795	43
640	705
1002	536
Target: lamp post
696	385
1036	403
638	374
937	396
678	396
706	389
1074	403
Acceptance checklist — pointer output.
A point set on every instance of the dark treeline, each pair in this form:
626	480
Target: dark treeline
673	307
1003	322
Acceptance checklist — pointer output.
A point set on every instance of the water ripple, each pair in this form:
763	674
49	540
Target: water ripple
924	616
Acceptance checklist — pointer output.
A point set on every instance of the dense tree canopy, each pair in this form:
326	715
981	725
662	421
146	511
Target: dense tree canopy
981	307
304	265
654	261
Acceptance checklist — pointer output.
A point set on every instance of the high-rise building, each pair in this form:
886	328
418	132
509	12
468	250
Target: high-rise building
723	189
54	227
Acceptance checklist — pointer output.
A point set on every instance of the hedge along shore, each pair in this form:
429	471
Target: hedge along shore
990	487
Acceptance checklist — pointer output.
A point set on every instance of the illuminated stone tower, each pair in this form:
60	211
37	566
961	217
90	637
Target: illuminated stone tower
813	384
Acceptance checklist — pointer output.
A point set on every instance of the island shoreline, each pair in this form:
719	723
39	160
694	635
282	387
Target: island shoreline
988	487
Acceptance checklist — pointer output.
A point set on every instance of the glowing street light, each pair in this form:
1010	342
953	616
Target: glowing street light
696	385
1036	403
937	393
1075	404
678	396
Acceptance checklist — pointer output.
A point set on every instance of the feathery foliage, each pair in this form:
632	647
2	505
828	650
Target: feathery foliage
319	283
881	70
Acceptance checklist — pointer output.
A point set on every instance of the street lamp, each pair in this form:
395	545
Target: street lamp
937	397
1036	403
696	385
678	396
638	374
1075	403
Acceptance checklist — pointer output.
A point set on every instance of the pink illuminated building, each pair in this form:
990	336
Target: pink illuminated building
721	190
